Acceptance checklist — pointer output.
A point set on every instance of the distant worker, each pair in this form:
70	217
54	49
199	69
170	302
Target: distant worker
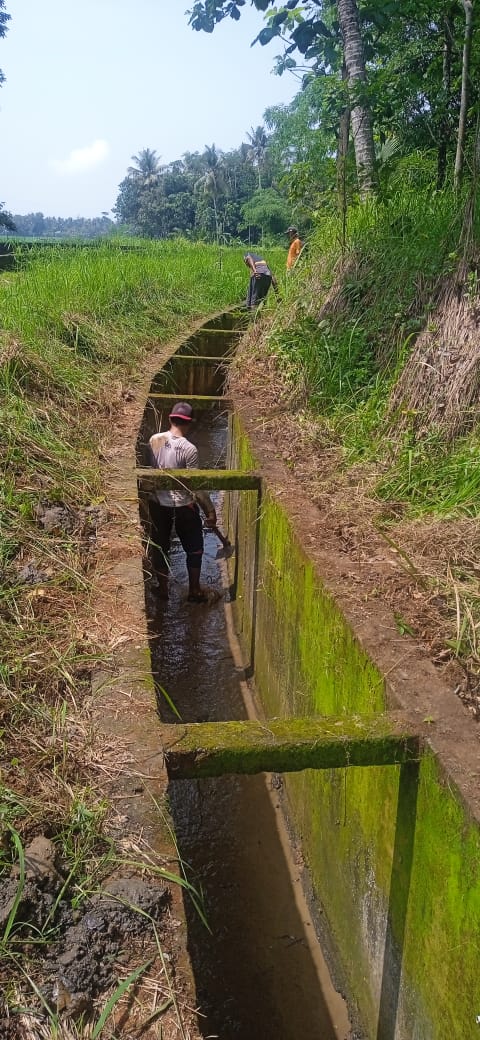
261	278
172	450
295	248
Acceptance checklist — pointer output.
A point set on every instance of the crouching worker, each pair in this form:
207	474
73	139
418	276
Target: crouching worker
261	278
172	450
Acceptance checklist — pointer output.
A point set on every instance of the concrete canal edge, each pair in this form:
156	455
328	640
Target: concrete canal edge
393	851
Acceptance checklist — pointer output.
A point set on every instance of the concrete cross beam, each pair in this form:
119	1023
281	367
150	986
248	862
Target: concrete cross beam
221	332
197	479
198	401
204	359
197	750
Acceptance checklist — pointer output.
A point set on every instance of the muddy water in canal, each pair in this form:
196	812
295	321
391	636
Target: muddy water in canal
259	971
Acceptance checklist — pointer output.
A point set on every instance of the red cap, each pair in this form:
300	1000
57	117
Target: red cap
182	411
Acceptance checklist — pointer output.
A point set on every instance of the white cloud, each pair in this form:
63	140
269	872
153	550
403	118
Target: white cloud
82	159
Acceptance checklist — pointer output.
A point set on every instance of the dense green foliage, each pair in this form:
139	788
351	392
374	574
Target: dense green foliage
205	196
413	54
36	225
344	358
306	159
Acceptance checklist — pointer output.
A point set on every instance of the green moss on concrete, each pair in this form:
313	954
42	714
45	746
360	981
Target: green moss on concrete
284	745
378	861
209	479
443	925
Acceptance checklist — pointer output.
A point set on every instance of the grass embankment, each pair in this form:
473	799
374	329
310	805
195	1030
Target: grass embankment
377	348
75	328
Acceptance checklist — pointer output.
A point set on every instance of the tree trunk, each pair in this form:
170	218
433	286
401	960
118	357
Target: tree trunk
361	117
444	129
342	149
462	120
217	234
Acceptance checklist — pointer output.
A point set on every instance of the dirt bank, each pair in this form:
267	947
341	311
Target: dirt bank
424	571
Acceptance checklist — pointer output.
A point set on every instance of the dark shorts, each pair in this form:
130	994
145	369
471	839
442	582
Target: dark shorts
188	525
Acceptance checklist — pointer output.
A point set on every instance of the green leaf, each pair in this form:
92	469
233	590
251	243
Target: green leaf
21	882
265	36
403	627
117	995
169	701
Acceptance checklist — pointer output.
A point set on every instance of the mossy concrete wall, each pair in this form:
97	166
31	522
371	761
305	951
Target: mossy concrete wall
393	855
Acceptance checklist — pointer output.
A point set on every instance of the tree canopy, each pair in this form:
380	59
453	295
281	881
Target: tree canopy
4	19
208	194
405	71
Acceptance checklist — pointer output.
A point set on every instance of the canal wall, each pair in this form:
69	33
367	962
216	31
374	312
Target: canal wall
393	852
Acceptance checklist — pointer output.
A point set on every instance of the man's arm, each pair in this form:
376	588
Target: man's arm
251	264
202	497
204	500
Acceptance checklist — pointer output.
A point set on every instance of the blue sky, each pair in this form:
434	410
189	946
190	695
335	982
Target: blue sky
91	82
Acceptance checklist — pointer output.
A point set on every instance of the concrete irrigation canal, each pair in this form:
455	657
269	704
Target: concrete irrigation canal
318	796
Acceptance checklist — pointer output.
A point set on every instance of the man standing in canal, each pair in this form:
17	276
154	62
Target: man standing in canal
173	450
261	278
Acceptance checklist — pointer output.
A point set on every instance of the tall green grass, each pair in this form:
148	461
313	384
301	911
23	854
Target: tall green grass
434	477
73	319
348	322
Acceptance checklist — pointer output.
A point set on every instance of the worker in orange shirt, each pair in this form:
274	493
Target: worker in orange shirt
296	246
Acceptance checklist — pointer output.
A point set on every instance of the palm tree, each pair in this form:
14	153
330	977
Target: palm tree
212	182
147	167
258	149
193	163
360	114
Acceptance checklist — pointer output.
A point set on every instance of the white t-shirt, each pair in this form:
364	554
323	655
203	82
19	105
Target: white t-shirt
170	451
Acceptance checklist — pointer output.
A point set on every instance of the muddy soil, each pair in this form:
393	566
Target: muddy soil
83	947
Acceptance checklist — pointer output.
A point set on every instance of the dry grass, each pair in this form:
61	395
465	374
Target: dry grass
440	384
